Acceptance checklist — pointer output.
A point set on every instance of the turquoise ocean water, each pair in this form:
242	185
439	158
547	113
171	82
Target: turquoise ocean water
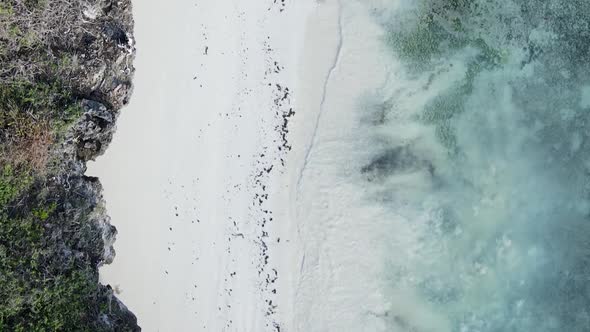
488	114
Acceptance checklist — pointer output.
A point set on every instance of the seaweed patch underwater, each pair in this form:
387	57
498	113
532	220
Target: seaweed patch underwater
483	155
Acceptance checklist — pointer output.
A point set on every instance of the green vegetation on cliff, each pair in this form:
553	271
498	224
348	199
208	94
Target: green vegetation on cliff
62	82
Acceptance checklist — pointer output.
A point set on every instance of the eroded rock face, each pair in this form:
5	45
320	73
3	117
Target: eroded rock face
87	237
66	71
93	131
104	80
106	53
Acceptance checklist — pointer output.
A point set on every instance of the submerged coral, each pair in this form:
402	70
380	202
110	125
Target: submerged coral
499	92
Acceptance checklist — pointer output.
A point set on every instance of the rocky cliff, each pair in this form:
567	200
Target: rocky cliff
65	73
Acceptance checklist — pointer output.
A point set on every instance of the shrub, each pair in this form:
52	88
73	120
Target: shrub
12	183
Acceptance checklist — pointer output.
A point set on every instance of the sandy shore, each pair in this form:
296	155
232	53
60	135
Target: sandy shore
200	178
341	279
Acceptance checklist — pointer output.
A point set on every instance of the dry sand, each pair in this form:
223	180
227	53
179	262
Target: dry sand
199	179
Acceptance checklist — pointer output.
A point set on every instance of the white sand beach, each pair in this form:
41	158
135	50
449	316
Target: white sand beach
200	179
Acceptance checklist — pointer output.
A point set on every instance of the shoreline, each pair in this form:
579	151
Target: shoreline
340	288
210	244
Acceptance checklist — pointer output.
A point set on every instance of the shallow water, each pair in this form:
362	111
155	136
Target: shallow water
480	153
